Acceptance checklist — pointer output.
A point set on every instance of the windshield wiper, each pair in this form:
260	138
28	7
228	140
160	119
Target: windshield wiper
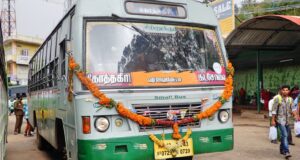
185	70
144	35
136	29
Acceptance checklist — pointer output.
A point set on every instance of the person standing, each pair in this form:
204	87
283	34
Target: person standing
295	91
296	110
266	96
27	131
11	103
270	105
281	114
242	95
18	109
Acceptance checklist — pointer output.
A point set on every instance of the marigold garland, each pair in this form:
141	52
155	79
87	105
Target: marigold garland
157	141
176	134
187	135
92	87
104	101
141	120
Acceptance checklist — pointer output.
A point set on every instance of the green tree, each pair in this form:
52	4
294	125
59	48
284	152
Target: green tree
250	8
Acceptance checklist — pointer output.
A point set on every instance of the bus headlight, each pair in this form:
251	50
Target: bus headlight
101	124
119	122
223	116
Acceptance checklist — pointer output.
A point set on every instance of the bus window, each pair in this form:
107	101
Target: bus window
37	62
55	71
63	58
44	55
41	59
48	57
34	64
53	49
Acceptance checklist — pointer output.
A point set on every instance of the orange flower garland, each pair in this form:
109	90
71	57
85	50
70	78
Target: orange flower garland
227	93
104	101
141	120
160	143
176	134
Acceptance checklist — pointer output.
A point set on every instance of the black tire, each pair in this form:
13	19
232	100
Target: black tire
183	158
63	154
60	135
40	141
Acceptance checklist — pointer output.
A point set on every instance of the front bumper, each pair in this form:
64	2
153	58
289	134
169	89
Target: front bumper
141	147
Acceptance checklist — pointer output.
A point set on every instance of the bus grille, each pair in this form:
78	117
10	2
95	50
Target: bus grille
160	112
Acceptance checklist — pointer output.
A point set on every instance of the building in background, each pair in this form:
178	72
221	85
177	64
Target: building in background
18	51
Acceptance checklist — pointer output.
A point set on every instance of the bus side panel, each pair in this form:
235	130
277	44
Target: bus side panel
42	114
50	105
3	118
31	108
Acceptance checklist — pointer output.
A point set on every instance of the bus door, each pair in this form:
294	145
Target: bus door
63	81
66	107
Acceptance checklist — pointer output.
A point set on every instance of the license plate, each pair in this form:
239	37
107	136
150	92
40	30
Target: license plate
185	150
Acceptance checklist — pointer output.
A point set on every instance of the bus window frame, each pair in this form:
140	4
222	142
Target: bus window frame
45	65
49	48
53	46
150	21
35	64
45	55
38	61
62	57
41	58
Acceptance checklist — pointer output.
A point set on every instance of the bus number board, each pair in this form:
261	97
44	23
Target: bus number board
153	9
185	150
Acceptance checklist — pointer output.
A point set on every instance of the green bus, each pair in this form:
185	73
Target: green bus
3	101
162	59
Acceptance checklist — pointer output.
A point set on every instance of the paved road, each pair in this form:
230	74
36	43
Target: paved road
20	147
251	143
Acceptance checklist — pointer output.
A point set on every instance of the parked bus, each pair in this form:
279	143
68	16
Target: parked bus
159	58
3	101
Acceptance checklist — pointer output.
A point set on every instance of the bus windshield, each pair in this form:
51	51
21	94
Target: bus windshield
143	55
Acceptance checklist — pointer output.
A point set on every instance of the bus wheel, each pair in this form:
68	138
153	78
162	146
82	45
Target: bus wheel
63	154
183	158
60	135
41	142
